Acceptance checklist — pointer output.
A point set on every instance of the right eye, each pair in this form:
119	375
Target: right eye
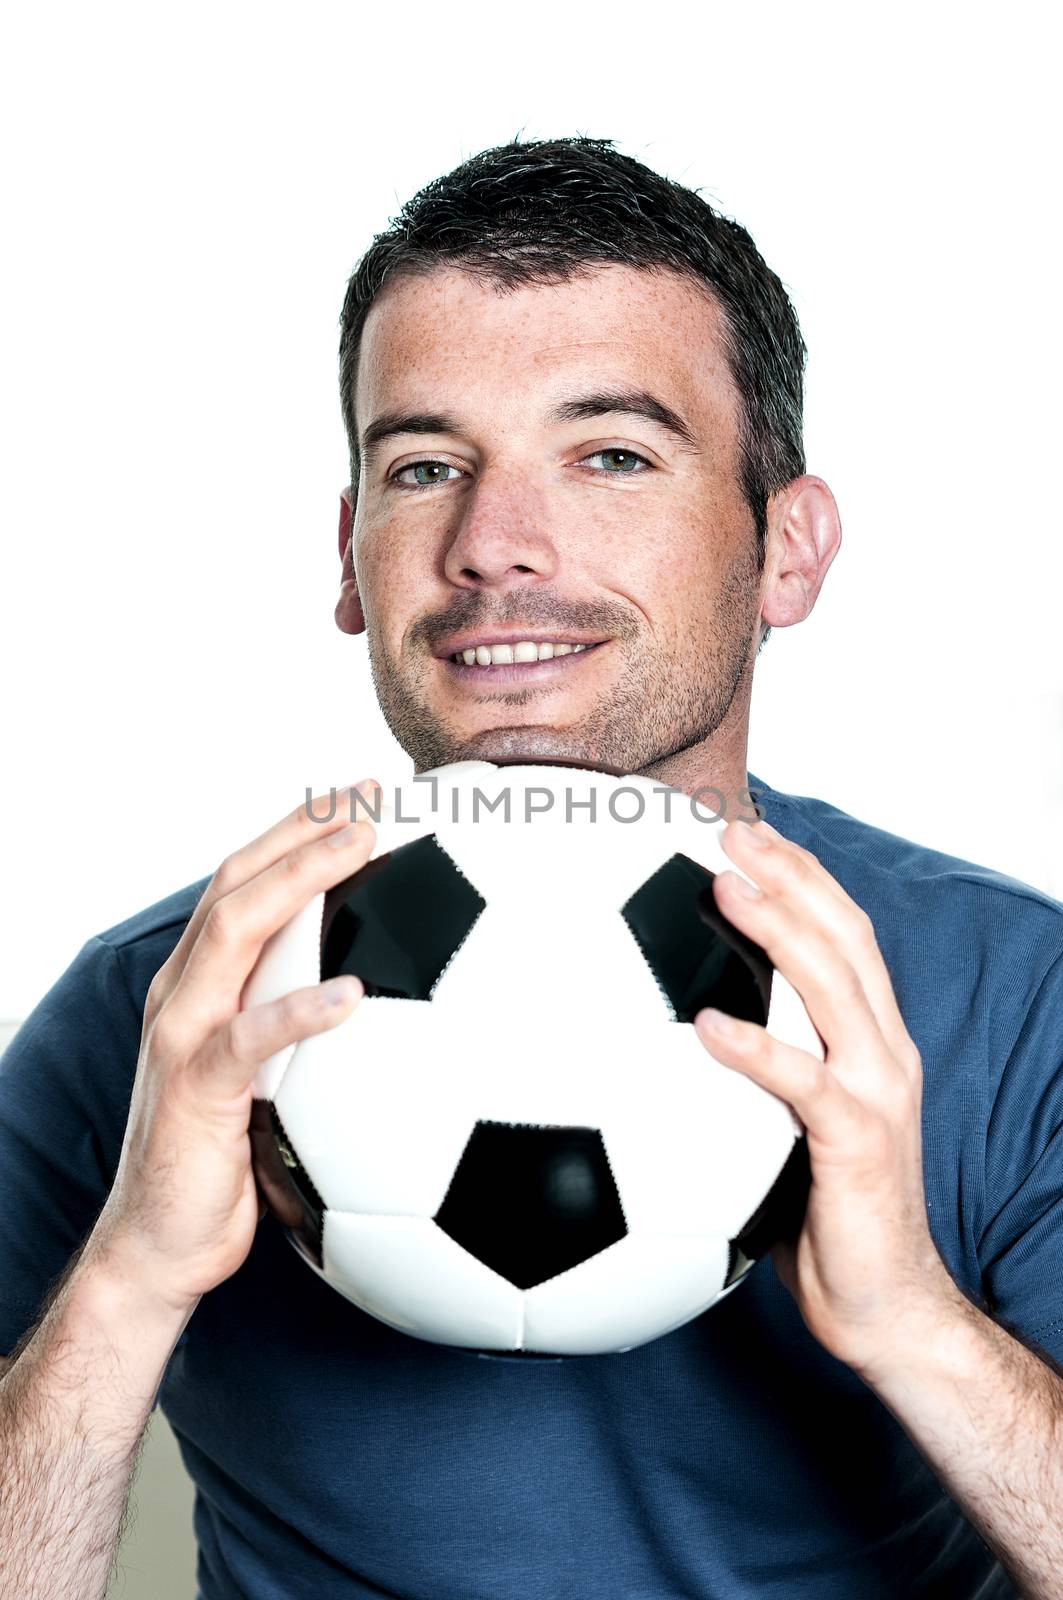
414	466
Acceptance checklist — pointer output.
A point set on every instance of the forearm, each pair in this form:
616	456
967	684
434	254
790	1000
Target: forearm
73	1409
988	1415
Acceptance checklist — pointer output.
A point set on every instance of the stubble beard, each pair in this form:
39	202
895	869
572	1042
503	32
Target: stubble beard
663	702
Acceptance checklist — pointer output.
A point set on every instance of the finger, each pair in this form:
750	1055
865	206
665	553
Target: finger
312	820
795	876
750	843
237	926
827	983
831	1115
229	1059
297	828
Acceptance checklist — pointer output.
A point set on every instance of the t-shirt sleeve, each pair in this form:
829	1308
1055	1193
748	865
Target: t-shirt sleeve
1021	1247
66	1080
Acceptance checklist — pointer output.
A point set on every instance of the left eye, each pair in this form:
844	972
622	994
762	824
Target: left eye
629	457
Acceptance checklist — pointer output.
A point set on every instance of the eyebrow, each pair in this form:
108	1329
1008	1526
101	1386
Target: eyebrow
601	403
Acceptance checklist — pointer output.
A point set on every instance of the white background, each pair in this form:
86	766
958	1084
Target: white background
186	191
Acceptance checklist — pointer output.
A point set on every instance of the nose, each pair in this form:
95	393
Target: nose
503	540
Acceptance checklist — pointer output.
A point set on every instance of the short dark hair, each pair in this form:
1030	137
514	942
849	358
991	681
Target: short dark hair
548	210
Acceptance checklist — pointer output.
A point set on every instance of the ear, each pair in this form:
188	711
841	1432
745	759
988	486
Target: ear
803	537
349	618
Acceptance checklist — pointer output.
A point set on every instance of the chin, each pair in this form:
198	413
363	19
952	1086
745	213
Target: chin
531	741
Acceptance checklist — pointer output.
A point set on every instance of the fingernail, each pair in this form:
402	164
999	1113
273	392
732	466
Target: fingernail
718	1021
345	836
339	991
754	832
364	800
742	886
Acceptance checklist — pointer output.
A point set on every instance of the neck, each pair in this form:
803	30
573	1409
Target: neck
715	770
716	763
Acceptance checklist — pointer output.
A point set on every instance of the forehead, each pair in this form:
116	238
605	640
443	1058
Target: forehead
428	339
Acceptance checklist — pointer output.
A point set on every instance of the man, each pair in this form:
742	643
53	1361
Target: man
573	399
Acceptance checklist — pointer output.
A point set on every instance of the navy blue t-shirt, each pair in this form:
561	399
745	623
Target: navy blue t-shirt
336	1457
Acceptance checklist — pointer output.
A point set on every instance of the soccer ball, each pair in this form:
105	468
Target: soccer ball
516	1142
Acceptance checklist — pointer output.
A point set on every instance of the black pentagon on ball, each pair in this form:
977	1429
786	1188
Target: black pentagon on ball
399	921
778	1217
283	1181
697	957
531	1202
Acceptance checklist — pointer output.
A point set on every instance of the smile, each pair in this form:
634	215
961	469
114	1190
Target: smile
504	663
522	652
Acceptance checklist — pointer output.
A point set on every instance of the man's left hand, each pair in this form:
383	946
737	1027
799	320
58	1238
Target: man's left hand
864	1270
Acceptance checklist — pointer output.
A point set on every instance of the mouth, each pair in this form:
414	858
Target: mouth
515	660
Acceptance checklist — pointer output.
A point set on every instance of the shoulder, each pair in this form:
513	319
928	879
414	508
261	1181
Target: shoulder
142	942
895	872
92	1013
957	935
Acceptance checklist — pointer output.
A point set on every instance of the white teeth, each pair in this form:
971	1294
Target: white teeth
503	655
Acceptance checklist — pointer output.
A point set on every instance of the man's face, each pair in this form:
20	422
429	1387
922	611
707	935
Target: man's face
601	530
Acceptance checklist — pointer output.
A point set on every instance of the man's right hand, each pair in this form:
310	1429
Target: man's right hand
183	1208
